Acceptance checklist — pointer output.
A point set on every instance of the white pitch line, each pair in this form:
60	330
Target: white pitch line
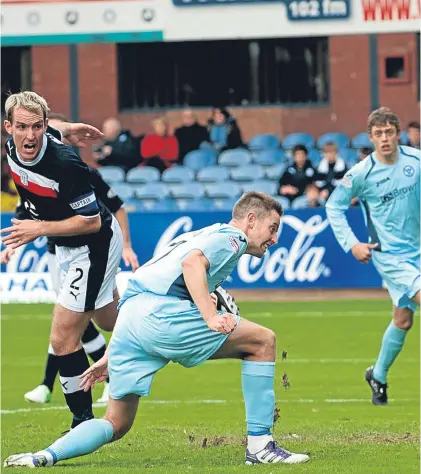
196	402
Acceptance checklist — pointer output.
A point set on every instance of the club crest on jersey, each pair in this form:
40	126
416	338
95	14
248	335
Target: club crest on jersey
408	171
234	244
23	177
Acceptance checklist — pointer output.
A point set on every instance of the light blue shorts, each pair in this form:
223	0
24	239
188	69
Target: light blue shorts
151	331
401	275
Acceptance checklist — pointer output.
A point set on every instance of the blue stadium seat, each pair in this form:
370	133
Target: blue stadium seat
224	204
155	191
269	157
198	159
162	205
213	174
236	157
294	139
133	205
223	190
283	201
299	203
340	139
349	155
314	156
123	190
247	173
112	174
177	174
404	139
264	185
143	174
197	205
275	172
191	190
263	142
361	141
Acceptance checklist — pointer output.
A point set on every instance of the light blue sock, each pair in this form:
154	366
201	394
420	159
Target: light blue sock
259	396
84	439
392	344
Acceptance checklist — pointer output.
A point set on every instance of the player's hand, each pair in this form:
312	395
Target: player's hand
224	323
5	255
130	258
97	372
362	252
21	233
77	133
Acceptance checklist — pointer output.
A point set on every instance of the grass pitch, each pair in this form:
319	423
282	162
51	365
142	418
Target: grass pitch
193	422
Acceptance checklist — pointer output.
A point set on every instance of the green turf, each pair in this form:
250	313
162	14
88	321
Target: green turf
326	411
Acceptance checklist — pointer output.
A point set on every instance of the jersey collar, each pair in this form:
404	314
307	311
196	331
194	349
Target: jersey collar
40	155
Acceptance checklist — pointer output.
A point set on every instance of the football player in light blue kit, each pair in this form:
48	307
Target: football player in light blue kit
387	184
167	314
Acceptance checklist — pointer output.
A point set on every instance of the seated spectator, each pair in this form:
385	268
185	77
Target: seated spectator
190	135
413	132
223	130
331	170
9	195
120	147
312	194
364	152
298	176
159	149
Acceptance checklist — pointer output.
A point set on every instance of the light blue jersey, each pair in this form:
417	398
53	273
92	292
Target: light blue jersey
390	200
221	244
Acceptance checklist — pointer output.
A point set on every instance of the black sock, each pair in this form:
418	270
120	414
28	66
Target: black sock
80	402
93	339
51	371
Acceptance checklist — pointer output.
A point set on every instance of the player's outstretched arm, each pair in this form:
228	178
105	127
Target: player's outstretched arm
77	133
129	256
194	271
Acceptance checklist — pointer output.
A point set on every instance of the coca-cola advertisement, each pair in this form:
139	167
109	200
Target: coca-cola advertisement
307	255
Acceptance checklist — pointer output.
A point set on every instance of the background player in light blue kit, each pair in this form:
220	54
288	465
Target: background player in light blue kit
167	314
387	184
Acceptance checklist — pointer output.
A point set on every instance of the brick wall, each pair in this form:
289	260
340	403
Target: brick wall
349	89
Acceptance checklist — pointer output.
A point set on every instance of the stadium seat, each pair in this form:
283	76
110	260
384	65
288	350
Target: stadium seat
314	156
264	185
162	205
224	204
404	139
294	139
133	205
299	203
198	159
263	142
143	174
236	157
340	139
275	172
155	191
361	141
191	190
177	174
223	190
123	190
349	155
213	174
112	174
247	173
269	157
284	202
197	205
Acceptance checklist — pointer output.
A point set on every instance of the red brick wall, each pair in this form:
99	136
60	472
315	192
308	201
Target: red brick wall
349	90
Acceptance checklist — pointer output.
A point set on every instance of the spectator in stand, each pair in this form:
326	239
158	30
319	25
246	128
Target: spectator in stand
298	176
120	147
364	152
191	134
413	131
159	149
312	194
9	195
331	170
223	130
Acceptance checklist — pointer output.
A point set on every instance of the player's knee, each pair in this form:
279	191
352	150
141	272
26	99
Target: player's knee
63	346
403	318
120	428
404	324
267	342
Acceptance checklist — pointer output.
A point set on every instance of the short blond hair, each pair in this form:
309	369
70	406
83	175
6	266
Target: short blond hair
261	203
28	100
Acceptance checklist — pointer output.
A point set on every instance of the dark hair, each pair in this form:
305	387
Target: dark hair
383	116
299	148
366	150
257	201
414	124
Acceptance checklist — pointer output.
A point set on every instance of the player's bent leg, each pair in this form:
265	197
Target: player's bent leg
85	438
106	316
256	345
